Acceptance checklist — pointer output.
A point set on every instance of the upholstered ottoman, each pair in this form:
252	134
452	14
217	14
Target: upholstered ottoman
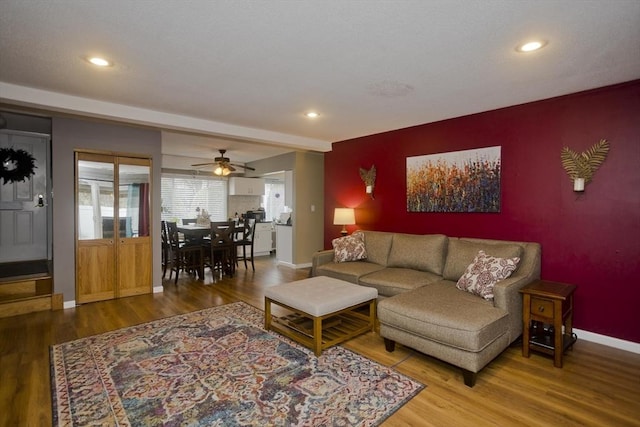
325	311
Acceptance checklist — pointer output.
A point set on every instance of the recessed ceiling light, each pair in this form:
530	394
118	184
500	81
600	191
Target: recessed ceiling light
100	62
312	114
531	46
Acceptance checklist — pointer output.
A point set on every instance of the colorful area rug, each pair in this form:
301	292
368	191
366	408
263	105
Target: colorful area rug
218	367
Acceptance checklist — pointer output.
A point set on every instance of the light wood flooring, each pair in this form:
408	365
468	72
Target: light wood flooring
598	386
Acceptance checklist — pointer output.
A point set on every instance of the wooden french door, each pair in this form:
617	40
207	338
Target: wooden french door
113	222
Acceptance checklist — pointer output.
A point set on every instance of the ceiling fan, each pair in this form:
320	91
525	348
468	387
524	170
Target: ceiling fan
223	165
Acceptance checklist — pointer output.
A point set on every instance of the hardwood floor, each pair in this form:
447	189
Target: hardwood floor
598	386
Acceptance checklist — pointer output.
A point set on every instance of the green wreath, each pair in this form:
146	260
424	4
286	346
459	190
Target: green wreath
16	165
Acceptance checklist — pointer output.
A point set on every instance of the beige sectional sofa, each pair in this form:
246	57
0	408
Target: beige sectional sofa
419	304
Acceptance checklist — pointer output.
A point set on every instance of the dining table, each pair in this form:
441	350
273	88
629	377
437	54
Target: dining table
194	231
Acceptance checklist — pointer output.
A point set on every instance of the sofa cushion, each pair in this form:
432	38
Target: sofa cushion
392	281
349	248
378	244
419	252
348	271
484	272
461	253
440	312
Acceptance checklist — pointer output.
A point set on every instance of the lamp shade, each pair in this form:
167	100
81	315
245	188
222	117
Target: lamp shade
344	216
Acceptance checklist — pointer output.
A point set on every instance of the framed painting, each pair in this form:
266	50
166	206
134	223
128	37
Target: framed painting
459	181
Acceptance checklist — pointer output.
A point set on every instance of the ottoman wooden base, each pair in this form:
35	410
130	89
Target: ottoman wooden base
319	330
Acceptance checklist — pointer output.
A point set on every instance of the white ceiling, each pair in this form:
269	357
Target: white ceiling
248	70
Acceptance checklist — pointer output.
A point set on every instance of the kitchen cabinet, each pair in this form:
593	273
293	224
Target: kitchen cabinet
246	186
262	244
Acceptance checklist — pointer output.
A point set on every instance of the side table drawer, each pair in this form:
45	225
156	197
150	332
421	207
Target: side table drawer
541	308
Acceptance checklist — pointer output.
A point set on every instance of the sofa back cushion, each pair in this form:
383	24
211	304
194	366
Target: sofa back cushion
377	244
419	252
461	254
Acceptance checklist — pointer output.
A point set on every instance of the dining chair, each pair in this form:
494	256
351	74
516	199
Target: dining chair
220	252
183	256
246	240
165	247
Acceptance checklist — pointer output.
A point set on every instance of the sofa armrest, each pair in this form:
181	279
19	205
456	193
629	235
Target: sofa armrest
320	258
506	296
506	293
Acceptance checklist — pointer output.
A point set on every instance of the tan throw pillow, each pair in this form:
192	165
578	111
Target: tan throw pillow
484	272
349	248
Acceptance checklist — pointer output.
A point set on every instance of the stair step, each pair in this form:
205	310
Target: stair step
33	286
28	295
26	305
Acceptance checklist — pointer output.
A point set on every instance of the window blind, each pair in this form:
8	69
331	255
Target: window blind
182	194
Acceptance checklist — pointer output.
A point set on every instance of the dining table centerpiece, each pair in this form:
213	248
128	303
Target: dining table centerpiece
203	217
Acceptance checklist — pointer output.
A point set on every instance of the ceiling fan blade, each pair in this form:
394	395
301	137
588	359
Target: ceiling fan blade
242	166
223	162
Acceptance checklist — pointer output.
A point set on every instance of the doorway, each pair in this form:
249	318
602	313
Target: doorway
25	211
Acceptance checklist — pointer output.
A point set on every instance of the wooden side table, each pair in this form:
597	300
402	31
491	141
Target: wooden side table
547	316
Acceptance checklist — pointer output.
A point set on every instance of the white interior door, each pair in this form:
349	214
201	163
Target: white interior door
23	219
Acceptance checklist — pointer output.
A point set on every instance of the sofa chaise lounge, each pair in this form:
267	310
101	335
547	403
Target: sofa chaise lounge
419	304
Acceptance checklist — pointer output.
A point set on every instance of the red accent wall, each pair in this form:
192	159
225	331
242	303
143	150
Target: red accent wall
590	239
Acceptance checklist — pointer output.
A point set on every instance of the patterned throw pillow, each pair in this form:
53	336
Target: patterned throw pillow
349	248
484	272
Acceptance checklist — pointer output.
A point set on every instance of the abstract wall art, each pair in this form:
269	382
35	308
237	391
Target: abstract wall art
458	181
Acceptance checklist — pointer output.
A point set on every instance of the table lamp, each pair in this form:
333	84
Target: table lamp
344	217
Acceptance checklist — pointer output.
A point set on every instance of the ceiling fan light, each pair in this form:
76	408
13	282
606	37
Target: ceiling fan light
225	171
219	170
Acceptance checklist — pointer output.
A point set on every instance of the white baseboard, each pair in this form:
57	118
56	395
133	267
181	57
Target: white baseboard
286	264
290	265
158	289
608	341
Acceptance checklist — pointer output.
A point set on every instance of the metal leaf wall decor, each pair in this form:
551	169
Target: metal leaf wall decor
369	179
585	164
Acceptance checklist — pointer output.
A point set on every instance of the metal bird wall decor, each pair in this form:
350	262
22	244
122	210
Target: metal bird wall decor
585	164
369	179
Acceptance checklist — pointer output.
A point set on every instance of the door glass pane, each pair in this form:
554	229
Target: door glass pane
134	200
95	200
